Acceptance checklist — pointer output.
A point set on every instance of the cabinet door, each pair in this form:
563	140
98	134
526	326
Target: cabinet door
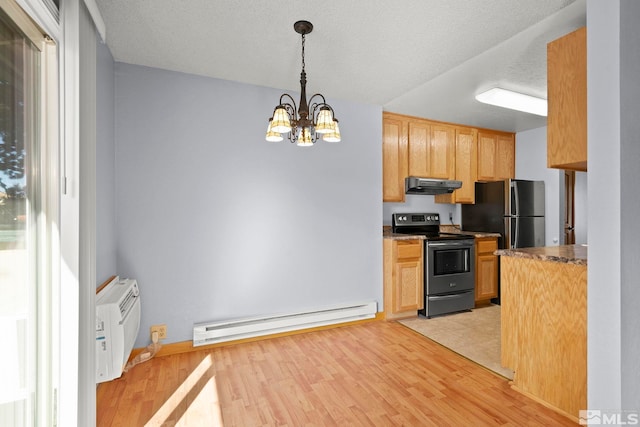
403	278
505	164
409	290
487	143
486	269
567	99
496	156
394	158
466	161
431	150
466	165
442	152
419	141
487	277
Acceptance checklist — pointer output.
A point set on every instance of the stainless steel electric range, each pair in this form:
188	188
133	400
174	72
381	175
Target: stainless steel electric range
449	263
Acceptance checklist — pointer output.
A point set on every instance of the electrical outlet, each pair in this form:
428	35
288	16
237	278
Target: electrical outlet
451	217
161	330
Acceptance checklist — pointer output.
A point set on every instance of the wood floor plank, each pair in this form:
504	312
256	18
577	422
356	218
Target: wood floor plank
379	373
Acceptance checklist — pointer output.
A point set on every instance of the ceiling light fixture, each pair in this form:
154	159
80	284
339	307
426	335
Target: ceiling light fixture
304	126
514	101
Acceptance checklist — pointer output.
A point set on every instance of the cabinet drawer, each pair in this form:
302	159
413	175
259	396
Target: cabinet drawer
409	249
487	246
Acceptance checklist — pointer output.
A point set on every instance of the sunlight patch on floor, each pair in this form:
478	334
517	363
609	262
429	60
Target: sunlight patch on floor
193	402
206	407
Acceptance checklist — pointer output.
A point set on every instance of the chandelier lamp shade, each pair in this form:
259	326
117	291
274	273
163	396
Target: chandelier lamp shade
310	120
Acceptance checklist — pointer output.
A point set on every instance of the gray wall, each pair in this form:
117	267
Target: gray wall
581	208
531	163
216	223
604	286
105	166
87	63
613	40
630	202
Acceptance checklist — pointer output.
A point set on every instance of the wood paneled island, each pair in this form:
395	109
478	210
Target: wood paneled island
544	324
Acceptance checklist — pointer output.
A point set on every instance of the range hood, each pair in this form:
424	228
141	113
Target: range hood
429	186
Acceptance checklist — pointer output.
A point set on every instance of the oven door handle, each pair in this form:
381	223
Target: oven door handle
455	244
450	296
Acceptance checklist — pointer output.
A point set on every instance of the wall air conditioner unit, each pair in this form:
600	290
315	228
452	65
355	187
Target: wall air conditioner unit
117	325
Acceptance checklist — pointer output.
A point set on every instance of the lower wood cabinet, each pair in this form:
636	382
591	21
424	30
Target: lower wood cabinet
403	278
486	269
544	330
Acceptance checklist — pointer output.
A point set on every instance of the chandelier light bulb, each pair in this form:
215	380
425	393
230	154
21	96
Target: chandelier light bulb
280	122
304	138
325	121
334	135
273	136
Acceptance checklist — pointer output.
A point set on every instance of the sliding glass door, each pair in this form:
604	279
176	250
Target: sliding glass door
26	396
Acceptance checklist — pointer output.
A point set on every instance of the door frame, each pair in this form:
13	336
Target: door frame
569	218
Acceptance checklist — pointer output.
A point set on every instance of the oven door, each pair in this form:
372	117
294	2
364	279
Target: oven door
449	266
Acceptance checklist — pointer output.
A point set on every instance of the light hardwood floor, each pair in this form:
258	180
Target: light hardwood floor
379	373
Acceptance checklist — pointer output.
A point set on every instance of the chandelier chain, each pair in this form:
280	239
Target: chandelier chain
303	52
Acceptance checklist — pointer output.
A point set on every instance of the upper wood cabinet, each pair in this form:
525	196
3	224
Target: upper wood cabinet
496	155
567	101
394	157
412	146
431	149
466	161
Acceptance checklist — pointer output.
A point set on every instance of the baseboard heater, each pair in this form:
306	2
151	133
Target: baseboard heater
229	330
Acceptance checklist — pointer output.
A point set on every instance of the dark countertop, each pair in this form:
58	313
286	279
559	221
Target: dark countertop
568	254
456	229
387	234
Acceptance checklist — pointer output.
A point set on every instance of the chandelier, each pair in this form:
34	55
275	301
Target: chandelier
310	120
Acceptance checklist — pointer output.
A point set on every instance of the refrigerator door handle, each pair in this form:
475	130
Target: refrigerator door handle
508	197
516	196
514	229
508	233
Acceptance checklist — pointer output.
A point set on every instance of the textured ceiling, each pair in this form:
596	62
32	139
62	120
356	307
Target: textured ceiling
423	58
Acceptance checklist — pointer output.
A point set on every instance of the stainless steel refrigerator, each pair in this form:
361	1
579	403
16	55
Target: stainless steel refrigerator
514	208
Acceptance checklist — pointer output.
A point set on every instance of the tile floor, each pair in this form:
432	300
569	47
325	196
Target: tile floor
474	335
